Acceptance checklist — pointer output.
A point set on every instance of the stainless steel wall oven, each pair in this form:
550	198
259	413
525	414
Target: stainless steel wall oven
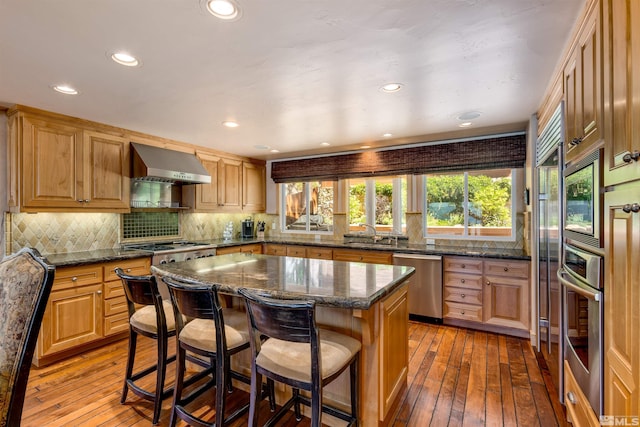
581	279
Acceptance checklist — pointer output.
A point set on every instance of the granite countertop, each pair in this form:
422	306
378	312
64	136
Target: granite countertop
90	257
329	283
517	254
106	255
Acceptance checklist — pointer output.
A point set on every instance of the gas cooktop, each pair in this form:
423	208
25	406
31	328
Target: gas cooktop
166	246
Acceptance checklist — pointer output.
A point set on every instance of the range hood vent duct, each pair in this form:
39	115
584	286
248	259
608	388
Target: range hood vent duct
163	165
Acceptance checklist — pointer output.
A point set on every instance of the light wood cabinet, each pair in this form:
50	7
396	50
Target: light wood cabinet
86	307
582	81
253	248
236	186
579	412
275	249
58	166
354	255
622	301
621	39
254	178
487	293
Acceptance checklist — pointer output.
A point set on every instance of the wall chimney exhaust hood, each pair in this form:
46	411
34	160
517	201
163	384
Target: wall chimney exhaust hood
163	165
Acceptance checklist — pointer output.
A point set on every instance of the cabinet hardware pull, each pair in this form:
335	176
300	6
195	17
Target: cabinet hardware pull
571	398
575	141
462	312
463	266
86	200
631	208
461	280
80	201
488	283
128	270
506	269
74	279
462	295
99	292
628	157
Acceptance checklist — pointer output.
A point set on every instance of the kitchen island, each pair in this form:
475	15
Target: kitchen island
366	301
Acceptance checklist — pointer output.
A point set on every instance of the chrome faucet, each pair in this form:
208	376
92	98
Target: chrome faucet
373	228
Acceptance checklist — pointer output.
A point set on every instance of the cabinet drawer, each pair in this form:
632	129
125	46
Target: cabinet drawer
463	264
463	311
580	412
251	249
319	253
467	296
507	268
134	267
467	281
116	324
70	277
296	251
115	305
113	289
276	250
375	257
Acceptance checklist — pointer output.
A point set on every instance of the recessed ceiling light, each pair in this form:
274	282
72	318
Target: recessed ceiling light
66	89
123	58
325	144
230	124
387	135
365	146
465	124
469	115
223	9
273	150
391	87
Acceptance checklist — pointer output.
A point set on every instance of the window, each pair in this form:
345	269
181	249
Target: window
475	205
381	202
307	206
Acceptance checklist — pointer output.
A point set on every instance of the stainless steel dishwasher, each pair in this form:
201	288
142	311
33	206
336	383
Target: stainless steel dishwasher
425	286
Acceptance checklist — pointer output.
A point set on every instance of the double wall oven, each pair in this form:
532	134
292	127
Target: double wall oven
581	276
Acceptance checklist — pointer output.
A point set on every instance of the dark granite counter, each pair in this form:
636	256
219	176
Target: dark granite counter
518	254
90	257
329	283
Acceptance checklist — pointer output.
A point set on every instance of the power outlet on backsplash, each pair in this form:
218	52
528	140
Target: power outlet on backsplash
431	241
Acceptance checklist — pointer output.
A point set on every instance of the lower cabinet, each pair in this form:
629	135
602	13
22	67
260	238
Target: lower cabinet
354	255
86	306
254	248
493	293
579	412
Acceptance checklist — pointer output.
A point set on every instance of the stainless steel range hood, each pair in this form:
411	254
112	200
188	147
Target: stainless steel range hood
164	165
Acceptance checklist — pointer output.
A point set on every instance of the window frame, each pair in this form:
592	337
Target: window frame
398	218
283	210
466	236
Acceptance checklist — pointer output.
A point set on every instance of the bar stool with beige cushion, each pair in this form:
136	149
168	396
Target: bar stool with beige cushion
298	353
210	331
154	320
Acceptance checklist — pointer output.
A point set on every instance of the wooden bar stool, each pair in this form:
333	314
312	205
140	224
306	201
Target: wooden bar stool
154	320
213	332
298	353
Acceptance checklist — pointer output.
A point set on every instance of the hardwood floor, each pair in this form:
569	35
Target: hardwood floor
457	377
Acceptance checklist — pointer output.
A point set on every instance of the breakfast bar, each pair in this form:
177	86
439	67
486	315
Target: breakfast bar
366	301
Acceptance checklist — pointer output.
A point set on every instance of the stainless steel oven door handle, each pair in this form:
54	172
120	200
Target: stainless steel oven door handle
587	293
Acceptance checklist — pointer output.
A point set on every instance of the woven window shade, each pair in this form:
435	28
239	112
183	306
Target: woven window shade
488	153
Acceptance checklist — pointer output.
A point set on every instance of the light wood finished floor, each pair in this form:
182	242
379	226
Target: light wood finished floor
457	377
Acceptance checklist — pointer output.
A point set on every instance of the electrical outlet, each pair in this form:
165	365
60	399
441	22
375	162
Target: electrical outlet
431	241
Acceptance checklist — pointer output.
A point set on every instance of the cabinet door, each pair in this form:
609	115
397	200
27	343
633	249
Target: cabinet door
228	250
275	249
230	185
621	30
73	317
51	153
106	171
621	302
253	187
251	249
506	302
583	90
204	197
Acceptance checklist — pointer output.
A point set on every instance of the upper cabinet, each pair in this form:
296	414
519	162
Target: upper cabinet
583	89
621	30
55	166
236	186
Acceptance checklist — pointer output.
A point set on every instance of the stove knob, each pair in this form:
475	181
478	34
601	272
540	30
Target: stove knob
172	260
164	261
188	258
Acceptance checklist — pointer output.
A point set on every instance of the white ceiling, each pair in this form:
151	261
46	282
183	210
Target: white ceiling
292	73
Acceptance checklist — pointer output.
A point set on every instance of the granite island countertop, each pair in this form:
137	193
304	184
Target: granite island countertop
329	283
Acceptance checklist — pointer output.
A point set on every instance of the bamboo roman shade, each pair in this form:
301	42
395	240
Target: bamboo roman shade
489	153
